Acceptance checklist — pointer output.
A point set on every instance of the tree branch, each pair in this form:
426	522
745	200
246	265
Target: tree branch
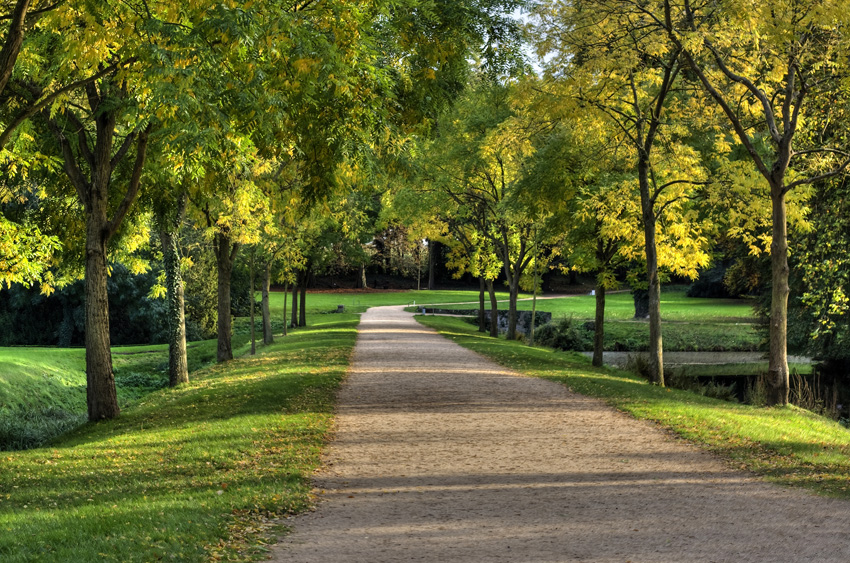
133	188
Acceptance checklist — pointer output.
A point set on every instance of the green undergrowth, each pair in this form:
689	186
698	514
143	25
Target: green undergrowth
201	472
787	445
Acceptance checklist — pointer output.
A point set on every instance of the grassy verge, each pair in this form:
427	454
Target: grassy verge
188	474
787	445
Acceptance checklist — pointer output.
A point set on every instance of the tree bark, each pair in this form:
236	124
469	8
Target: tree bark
268	337
285	299
361	277
599	328
14	41
513	288
295	301
432	260
494	310
178	365
302	309
252	305
656	360
93	193
482	325
778	378
225	254
101	396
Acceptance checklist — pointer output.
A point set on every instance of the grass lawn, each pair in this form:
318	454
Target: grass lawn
187	474
787	445
675	306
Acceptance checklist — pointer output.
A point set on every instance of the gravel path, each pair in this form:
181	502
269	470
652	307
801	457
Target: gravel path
441	455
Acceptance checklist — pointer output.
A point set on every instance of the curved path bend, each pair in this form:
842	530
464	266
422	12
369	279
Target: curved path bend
441	455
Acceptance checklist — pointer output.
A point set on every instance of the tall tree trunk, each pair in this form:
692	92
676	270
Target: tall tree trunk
302	313
225	252
285	299
494	310
295	300
482	325
778	380
432	261
178	365
268	337
656	360
599	328
252	305
101	396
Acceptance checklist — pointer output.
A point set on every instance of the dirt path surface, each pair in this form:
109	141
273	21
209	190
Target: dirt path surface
441	455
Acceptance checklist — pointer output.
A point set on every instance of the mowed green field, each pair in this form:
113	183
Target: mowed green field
358	302
675	307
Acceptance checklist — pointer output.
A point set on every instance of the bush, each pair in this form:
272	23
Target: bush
141	380
564	334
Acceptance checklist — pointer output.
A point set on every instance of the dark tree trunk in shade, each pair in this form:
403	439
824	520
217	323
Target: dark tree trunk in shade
178	365
285	300
294	322
599	328
268	337
512	313
302	309
482	324
494	310
225	251
252	305
432	261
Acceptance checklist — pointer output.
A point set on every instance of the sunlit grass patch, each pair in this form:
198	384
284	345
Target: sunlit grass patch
788	445
194	473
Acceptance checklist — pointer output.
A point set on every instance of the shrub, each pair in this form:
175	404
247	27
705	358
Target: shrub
564	334
21	430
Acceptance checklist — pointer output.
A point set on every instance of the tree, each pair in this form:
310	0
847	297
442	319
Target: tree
763	68
601	56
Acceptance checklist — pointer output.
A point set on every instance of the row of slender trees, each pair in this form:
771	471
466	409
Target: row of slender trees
120	119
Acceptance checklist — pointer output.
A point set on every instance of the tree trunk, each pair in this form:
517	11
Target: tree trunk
599	328
514	292
178	365
432	260
295	301
777	380
302	313
268	337
285	299
482	325
252	306
225	252
656	360
494	310
361	277
101	396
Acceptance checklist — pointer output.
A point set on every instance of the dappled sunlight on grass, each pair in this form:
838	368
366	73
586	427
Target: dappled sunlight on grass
786	444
